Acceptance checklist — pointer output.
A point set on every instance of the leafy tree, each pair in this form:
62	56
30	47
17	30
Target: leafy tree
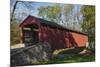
88	24
52	13
15	32
62	14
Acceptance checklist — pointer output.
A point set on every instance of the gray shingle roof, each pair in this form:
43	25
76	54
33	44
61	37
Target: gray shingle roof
52	24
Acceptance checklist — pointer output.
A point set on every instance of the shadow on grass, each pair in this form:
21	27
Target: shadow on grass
68	56
71	56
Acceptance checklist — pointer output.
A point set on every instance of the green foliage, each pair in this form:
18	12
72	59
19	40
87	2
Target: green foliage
88	24
62	14
50	12
55	12
15	32
88	17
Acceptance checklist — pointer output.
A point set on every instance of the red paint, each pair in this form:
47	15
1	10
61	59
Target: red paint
58	38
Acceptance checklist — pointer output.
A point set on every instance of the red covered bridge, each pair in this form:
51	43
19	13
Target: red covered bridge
40	30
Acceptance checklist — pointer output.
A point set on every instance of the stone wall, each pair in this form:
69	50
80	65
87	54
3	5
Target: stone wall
34	54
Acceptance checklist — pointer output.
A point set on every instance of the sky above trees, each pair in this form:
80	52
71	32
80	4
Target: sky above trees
23	10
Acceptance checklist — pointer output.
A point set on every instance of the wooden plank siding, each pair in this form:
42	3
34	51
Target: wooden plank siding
58	36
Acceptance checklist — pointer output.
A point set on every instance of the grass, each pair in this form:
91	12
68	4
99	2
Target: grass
70	58
75	58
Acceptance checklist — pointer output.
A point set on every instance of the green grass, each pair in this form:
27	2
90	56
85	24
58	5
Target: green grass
72	58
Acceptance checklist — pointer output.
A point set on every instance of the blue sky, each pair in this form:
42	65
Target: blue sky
39	4
20	9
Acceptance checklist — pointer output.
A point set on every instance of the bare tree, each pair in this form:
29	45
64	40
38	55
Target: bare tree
26	4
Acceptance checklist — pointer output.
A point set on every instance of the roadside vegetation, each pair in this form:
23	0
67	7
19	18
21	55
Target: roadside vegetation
70	56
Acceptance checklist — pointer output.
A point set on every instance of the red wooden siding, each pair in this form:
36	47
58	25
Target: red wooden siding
54	36
57	37
29	20
61	39
80	39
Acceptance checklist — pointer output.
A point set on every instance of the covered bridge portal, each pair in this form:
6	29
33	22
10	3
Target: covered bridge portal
38	30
